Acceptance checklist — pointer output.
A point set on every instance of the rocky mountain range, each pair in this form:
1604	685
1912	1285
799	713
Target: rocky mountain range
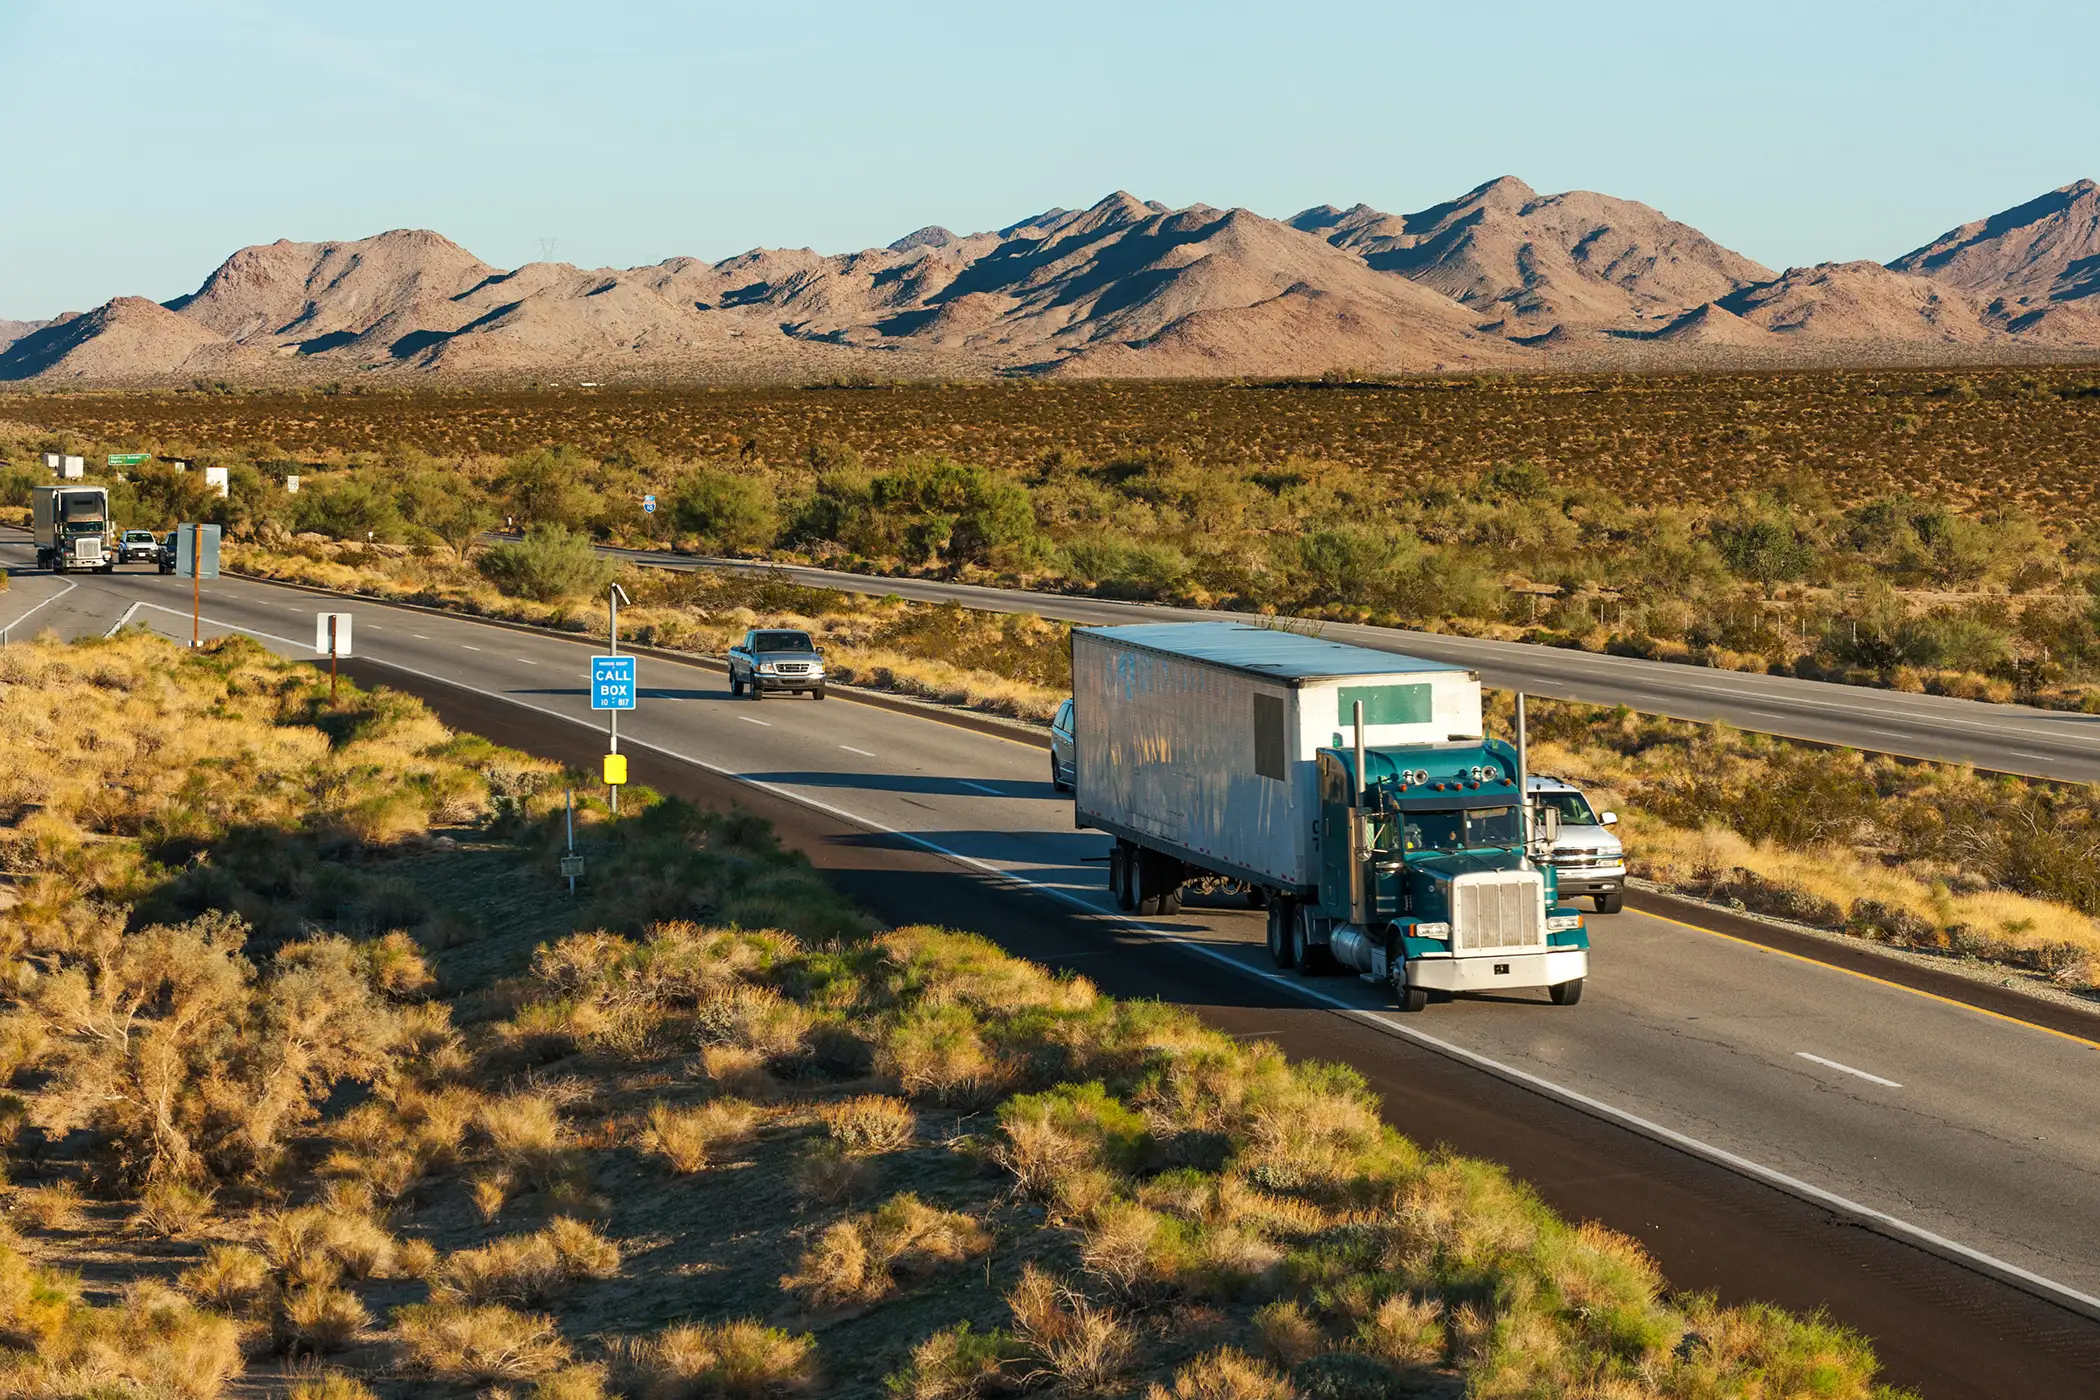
1500	278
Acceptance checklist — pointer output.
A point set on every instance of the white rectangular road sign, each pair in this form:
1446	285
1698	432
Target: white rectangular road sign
341	639
612	682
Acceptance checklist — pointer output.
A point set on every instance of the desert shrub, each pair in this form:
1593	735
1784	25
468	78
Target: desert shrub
1069	1127
1225	1374
330	1385
959	1363
861	1259
724	511
172	1208
228	1278
318	1317
742	1358
548	566
528	1270
684	1137
472	1344
1073	1340
871	1123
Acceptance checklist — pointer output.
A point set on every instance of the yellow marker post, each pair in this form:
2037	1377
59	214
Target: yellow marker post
615	769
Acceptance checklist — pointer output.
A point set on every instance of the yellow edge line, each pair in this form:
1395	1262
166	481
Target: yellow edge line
1883	981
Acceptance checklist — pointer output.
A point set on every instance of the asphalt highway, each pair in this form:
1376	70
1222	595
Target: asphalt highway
2003	738
1769	1127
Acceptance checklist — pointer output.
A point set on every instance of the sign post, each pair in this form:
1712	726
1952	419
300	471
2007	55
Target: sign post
332	635
612	688
196	559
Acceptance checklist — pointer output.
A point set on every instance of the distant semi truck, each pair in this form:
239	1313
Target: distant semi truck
1351	792
72	528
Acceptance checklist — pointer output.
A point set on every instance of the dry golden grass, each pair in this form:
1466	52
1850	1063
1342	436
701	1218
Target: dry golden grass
684	1137
1224	1374
54	1207
528	1270
319	1318
472	1344
870	1123
863	1258
1077	1343
228	1279
330	1385
740	1358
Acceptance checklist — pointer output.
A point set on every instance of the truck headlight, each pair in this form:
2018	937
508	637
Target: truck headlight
1563	923
1437	930
766	666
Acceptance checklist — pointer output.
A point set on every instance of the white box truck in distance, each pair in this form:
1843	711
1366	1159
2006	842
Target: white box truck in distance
1351	791
71	527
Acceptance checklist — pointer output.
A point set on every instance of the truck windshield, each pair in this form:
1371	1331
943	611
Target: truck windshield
781	641
1461	830
1574	808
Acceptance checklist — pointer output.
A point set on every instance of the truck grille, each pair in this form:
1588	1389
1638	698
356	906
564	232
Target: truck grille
1498	909
791	668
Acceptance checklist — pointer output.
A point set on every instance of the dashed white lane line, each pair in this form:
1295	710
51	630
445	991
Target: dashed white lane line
980	787
464	647
1847	1069
524	661
748	720
862	752
419	636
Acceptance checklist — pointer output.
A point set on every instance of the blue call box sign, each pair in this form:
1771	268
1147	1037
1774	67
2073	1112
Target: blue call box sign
612	682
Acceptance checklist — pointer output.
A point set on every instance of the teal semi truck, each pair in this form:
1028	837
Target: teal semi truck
1352	793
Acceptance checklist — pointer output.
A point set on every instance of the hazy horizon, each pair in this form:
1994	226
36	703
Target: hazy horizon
157	141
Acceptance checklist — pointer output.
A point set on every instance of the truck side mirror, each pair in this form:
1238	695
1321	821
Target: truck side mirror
1608	819
1549	824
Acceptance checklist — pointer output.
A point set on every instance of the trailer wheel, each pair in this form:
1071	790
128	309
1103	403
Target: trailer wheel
1158	883
1283	936
1566	993
1119	876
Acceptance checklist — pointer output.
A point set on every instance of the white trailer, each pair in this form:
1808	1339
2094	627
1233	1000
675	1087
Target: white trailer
1202	738
1352	792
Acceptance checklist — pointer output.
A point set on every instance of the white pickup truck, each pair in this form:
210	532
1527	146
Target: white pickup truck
776	658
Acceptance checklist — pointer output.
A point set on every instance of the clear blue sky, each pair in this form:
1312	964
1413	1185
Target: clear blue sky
141	142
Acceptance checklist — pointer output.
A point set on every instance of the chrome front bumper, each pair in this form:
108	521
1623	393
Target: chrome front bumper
1486	972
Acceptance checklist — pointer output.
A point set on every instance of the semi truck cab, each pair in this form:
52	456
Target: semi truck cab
71	526
1427	877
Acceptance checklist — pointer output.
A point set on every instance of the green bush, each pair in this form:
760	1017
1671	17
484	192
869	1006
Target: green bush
548	565
727	512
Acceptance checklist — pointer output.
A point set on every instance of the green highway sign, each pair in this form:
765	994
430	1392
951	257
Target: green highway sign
130	459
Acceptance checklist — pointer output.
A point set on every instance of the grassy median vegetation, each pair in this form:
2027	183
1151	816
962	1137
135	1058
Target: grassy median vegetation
318	1085
1928	531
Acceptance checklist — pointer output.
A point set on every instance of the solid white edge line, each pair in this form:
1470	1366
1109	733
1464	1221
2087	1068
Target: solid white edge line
2048	1289
229	626
33	607
117	626
1833	1064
